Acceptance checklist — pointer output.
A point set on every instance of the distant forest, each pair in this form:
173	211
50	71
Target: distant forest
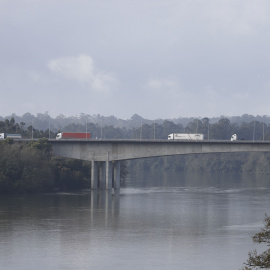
22	166
247	127
61	122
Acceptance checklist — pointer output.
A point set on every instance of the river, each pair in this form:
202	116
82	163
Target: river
157	221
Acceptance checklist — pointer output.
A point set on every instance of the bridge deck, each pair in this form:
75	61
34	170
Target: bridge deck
103	150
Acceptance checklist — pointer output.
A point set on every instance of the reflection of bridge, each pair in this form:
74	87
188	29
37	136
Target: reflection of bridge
106	154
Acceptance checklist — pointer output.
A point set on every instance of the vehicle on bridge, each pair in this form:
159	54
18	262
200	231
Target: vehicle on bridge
234	137
186	136
73	135
12	136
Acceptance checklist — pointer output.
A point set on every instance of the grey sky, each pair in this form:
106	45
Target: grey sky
155	58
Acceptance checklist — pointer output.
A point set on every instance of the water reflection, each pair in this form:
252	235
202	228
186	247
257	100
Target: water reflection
158	221
58	212
146	179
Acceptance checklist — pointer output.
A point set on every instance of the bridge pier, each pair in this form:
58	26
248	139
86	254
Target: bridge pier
94	175
116	174
102	175
105	175
108	174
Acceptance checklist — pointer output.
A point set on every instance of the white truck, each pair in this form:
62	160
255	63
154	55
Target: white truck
12	136
186	136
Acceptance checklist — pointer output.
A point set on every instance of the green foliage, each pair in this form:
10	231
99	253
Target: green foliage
260	261
24	169
71	174
42	145
7	141
29	168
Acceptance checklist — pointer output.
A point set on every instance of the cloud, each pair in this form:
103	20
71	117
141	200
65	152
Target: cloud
83	70
161	84
240	18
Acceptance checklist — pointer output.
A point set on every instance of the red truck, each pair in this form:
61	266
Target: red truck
73	135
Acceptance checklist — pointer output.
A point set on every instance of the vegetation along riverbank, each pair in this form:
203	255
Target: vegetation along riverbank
29	167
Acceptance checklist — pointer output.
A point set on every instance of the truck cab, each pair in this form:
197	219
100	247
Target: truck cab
233	138
59	136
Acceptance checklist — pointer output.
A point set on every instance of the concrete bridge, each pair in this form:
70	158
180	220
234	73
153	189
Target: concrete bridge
105	155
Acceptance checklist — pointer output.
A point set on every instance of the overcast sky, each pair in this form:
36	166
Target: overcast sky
155	58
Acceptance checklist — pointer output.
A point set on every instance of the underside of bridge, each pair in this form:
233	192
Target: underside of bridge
105	155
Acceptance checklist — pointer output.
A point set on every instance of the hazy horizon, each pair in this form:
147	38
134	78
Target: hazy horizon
99	116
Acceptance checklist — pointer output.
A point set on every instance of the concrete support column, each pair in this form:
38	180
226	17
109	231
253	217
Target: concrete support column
116	174
102	175
108	174
94	175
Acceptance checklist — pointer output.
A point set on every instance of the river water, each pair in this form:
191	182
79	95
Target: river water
158	221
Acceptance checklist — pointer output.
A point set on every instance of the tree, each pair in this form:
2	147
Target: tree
260	261
221	130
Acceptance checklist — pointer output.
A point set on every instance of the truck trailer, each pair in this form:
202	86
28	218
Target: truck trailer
185	136
73	135
12	136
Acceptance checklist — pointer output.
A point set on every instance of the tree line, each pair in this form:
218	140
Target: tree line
220	130
30	167
45	121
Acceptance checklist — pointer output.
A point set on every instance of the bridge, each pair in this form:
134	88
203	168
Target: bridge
105	155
